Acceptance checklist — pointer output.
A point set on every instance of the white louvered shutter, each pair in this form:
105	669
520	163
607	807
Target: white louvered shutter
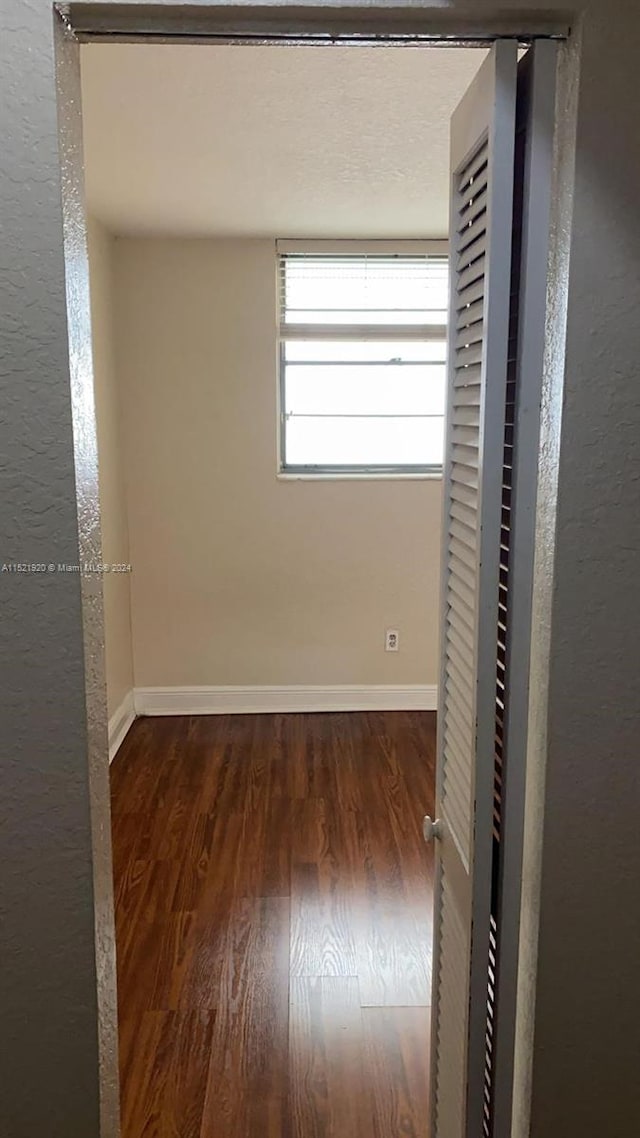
482	164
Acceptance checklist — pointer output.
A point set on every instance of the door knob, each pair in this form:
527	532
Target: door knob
431	829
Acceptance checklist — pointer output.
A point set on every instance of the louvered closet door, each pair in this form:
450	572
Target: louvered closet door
482	163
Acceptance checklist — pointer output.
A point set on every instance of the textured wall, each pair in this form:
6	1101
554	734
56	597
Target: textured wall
585	760
56	943
238	577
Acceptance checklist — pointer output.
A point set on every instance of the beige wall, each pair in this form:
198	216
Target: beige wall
240	578
115	538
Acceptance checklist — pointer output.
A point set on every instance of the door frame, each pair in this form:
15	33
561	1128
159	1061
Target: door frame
358	23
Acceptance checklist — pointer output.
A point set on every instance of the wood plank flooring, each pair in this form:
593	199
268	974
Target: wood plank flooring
273	923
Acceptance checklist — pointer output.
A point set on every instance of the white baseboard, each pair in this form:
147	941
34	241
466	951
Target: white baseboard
288	698
120	723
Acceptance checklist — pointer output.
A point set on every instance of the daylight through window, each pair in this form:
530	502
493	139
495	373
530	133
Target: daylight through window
362	361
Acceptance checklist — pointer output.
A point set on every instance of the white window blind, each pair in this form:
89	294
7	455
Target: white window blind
362	361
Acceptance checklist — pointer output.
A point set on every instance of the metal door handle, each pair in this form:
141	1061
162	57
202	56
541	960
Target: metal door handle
431	829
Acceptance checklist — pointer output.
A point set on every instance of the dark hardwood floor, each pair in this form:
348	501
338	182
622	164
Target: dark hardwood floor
273	912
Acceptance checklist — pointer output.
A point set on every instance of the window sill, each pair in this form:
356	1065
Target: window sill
285	476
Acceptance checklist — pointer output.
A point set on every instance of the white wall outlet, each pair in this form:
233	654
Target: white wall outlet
391	640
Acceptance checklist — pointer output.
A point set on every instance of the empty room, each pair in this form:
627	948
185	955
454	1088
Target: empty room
319	477
269	280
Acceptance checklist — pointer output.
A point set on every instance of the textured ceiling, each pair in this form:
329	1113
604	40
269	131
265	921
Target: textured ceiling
293	142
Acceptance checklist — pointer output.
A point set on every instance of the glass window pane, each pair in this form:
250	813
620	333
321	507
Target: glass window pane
366	442
365	290
331	389
364	402
365	316
364	351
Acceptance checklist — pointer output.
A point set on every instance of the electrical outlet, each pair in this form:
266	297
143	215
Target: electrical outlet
391	640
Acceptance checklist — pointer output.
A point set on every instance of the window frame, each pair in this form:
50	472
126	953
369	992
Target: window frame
356	471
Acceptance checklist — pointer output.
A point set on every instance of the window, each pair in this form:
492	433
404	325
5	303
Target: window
362	357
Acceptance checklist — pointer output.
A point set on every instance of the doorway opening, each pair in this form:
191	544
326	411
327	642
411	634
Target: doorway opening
268	253
492	120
